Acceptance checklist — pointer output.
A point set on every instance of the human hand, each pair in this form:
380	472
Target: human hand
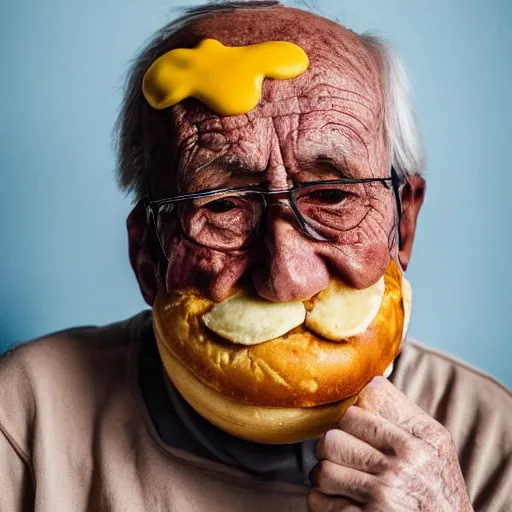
387	455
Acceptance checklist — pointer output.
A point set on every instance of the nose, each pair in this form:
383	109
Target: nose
289	267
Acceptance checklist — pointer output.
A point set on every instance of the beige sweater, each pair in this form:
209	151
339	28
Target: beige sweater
75	434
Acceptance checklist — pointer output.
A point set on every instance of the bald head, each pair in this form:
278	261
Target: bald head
327	44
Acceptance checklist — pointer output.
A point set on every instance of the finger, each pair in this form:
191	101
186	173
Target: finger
376	431
343	448
335	480
384	399
318	502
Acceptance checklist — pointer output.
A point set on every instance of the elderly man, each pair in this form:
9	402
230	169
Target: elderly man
90	418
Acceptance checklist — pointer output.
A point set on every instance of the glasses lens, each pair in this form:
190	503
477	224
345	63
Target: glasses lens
331	209
228	221
223	221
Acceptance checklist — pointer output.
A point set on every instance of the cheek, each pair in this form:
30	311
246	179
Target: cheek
213	272
362	263
359	265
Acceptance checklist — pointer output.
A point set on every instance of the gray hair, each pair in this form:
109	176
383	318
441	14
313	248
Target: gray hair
134	149
406	152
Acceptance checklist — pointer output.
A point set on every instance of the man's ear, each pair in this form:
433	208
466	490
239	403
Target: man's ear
413	194
144	267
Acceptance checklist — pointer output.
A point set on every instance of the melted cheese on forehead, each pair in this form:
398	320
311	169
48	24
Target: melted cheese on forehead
227	79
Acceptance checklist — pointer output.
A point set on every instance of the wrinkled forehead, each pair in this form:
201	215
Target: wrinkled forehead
343	78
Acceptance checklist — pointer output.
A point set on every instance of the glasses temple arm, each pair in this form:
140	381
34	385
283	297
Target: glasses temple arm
396	182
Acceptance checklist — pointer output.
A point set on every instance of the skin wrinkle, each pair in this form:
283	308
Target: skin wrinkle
263	111
330	108
353	118
350	130
215	124
285	105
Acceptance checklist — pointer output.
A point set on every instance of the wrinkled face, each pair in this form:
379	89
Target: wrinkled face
325	124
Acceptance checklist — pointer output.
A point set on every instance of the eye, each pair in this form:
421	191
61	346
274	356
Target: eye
220	206
328	196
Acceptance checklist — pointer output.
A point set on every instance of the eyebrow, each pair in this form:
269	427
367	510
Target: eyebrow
225	162
237	168
342	171
228	165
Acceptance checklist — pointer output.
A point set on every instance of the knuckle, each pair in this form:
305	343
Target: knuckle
409	446
442	436
431	429
418	454
348	416
324	471
321	474
380	496
428	429
368	487
371	461
411	441
377	463
434	439
327	443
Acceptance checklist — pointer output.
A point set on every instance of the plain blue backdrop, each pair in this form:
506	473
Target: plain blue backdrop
63	258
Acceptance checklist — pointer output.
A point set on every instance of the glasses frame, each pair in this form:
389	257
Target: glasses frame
152	206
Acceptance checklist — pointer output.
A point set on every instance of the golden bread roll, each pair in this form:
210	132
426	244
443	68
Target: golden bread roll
299	369
269	425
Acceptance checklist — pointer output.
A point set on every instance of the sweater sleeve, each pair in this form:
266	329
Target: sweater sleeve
16	486
475	409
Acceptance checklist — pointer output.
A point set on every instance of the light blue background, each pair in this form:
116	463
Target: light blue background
63	258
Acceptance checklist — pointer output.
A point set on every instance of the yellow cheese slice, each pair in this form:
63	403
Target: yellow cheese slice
225	78
249	320
342	311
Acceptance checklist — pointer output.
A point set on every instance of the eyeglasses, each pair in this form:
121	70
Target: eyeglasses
232	219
